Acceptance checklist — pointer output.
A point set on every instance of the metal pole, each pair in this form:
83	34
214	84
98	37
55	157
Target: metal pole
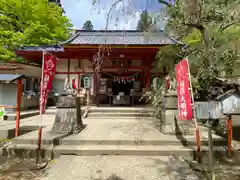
229	124
198	140
19	98
210	149
41	109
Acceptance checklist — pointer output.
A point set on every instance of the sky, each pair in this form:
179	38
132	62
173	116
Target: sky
124	16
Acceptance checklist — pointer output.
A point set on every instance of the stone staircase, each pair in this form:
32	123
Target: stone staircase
119	112
114	131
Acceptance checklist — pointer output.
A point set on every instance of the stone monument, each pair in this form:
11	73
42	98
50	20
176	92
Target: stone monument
68	117
170	123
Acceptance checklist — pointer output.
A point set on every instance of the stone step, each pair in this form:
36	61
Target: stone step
11	116
163	142
146	150
119	114
29	151
120	109
49	138
120	118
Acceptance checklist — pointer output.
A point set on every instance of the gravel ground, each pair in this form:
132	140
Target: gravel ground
117	168
15	168
120	168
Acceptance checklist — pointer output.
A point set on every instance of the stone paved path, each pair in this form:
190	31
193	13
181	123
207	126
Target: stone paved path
119	168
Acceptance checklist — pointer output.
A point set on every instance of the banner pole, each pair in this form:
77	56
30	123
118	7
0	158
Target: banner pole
38	156
41	88
194	110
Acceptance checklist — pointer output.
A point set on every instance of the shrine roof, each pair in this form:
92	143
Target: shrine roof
54	48
116	37
120	37
10	77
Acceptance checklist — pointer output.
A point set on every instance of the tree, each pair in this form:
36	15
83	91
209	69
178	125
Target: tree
145	22
30	22
88	26
210	29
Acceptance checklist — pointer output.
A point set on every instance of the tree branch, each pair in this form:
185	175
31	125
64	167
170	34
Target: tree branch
165	3
222	28
202	29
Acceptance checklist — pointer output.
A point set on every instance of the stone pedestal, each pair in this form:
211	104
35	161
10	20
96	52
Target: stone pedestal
170	124
68	117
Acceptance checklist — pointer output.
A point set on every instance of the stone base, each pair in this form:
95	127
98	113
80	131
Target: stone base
171	124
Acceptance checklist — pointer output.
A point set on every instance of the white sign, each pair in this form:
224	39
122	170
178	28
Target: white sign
87	82
208	110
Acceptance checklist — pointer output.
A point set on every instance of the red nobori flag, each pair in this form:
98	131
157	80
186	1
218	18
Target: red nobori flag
48	71
185	111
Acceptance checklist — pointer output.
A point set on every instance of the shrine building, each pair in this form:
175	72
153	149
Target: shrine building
117	67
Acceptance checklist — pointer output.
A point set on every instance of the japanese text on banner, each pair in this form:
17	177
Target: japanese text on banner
183	91
49	69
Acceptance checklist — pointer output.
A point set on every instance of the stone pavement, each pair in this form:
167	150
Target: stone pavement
7	128
119	168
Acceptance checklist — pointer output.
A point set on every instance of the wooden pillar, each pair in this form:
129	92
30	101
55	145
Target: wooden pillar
148	76
68	70
229	126
19	98
94	85
79	76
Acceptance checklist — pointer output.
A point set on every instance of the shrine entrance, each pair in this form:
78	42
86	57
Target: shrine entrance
120	89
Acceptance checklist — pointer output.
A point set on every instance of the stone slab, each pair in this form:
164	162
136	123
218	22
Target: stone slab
48	137
23	115
27	151
120	114
121	109
117	132
7	128
137	150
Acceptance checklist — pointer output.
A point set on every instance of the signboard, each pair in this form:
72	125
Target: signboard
208	110
66	102
231	105
103	86
66	114
2	113
156	82
137	85
64	120
87	82
183	91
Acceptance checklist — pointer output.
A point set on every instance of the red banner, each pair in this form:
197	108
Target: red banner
183	90
49	68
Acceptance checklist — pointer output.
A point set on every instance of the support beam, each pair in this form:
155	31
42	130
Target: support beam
79	77
148	77
68	73
19	98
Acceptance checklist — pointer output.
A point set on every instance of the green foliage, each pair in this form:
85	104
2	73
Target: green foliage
88	25
30	22
211	31
147	22
144	22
